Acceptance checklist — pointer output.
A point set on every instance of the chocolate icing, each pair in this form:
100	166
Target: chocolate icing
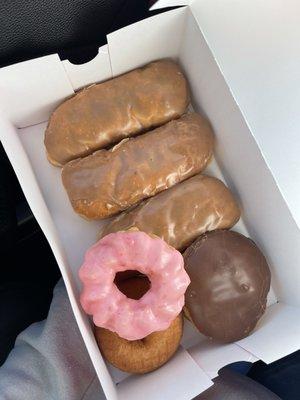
230	280
108	182
180	214
103	114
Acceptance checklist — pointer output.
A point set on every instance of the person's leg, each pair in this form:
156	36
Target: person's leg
230	385
241	367
282	376
49	360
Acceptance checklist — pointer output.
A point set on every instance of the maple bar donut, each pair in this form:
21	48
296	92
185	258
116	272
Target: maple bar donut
145	355
103	114
110	308
180	214
110	181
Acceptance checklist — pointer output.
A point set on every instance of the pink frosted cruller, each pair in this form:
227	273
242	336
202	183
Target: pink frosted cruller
111	309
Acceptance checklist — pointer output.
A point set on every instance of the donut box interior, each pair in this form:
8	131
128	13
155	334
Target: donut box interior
192	35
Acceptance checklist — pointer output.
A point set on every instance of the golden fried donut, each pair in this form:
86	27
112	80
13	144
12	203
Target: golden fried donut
139	356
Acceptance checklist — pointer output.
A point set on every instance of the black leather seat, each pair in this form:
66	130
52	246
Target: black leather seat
75	29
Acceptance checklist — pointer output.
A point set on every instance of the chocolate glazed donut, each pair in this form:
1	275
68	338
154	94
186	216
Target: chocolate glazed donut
230	280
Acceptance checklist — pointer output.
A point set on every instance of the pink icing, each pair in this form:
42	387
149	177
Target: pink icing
111	309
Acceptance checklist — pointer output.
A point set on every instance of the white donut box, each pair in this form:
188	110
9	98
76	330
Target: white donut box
242	61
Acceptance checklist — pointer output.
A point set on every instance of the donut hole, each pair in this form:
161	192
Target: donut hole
133	284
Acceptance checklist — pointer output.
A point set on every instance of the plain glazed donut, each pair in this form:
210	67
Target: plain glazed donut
139	356
111	309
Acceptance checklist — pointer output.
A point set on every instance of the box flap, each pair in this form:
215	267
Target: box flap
146	34
270	340
181	378
31	90
256	45
94	71
211	356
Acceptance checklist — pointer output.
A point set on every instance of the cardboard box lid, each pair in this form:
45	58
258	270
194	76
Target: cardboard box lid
27	104
256	45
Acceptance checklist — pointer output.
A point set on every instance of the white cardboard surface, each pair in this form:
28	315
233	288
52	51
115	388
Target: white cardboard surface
94	71
257	47
178	379
278	320
209	355
138	44
212	356
173	34
31	90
